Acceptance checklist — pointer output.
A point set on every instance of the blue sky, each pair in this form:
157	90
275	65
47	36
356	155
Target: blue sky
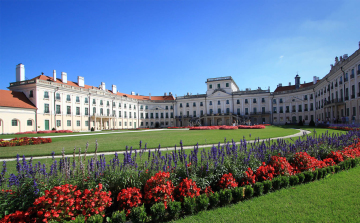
157	46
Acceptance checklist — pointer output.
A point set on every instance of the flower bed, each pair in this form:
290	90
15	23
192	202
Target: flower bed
251	126
164	185
46	131
22	141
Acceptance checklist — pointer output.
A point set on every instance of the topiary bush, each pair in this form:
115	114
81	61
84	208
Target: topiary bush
301	177
238	194
258	189
189	205
284	182
214	199
293	180
138	214
276	183
202	202
225	197
315	174
174	210
267	186
337	168
308	176
249	191
158	212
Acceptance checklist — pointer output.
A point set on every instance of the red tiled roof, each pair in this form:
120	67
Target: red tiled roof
292	87
139	97
15	99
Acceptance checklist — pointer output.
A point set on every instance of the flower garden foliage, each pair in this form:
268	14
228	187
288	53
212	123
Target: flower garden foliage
225	127
345	127
22	141
144	178
46	131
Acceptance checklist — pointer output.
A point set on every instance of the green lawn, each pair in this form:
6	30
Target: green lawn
334	199
166	138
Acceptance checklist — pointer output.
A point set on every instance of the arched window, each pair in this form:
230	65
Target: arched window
14	122
29	122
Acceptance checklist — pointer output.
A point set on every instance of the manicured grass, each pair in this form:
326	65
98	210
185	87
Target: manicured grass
334	199
166	138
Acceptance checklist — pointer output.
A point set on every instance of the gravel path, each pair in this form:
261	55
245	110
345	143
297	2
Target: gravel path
301	133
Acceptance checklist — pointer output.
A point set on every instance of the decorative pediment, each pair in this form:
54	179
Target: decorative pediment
218	93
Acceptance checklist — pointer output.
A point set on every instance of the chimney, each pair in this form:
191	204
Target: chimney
150	96
133	93
20	72
188	93
345	56
81	81
165	94
64	77
170	93
314	79
280	85
114	90
54	75
297	81
103	86
289	83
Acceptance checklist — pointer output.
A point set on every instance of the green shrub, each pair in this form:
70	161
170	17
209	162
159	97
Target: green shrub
293	180
315	174
276	183
353	163
214	199
332	169
118	217
284	182
249	191
238	193
158	212
174	209
202	202
267	186
225	196
189	205
78	219
324	172
308	176
320	174
301	177
95	219
138	214
337	168
258	189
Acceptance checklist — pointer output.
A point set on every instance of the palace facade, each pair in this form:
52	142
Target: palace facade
48	102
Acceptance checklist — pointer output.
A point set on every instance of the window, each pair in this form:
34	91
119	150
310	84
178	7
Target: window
86	100
254	100
219	103
94	102
246	101
201	103
210	86
101	102
108	112
194	104
77	123
14	122
263	110
58	123
77	99
166	115
254	110
146	107
152	123
156	115
218	85
162	115
171	107
114	104
219	110
210	102
287	109
86	111
141	123
86	123
119	123
262	100
274	101
300	108
46	108
246	111
227	110
171	115
31	94
188	113
58	111
151	115
354	111
281	109
129	106
227	102
94	110
211	111
68	122
187	104
238	111
119	105
201	112
46	94
280	100
119	114
125	123
57	96
77	110
194	113
68	98
29	122
146	115
274	109
68	109
101	111
227	84
238	101
180	105
129	114
134	114
107	103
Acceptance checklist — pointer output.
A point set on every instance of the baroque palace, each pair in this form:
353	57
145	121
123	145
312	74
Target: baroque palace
48	102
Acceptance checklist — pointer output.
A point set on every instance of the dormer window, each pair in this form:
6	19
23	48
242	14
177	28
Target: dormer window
210	86
227	84
218	85
31	94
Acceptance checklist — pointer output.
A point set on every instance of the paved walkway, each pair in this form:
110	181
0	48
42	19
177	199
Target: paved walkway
103	133
301	133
